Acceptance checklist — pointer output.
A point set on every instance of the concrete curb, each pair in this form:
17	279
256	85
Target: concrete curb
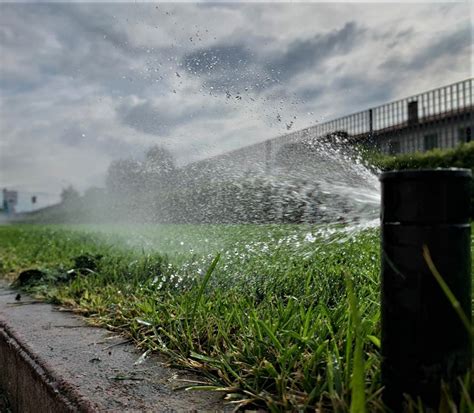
31	387
51	361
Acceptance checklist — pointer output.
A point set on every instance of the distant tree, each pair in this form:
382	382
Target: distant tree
159	161
124	185
94	197
69	195
124	176
93	193
139	189
159	169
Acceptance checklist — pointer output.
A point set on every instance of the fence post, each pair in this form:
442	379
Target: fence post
424	341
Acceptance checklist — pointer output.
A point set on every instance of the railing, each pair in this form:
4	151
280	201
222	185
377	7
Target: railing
451	99
441	103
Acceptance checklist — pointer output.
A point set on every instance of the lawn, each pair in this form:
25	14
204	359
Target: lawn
284	317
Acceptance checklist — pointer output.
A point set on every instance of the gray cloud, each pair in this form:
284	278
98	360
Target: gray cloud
78	137
161	121
237	66
365	92
312	92
312	52
442	49
144	117
82	42
218	59
231	67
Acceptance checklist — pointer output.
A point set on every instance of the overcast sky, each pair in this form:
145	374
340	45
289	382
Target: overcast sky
84	84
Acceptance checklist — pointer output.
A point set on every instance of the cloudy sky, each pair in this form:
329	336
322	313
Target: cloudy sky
83	84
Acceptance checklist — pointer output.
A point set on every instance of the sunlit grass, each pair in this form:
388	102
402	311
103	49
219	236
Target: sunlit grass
288	319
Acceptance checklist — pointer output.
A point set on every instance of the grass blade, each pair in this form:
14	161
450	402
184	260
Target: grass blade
206	279
357	381
447	291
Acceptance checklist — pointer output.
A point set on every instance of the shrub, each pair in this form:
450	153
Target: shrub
459	157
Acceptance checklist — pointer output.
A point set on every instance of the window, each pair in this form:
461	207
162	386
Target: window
413	112
431	141
464	134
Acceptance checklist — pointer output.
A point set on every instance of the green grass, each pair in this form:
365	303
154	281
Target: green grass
284	317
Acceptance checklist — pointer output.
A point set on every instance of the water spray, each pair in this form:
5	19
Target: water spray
426	283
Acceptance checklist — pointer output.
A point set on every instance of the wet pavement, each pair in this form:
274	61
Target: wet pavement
54	358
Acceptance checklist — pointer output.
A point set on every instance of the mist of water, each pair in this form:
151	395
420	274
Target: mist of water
296	193
310	180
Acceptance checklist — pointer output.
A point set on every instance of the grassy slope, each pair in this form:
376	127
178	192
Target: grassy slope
271	325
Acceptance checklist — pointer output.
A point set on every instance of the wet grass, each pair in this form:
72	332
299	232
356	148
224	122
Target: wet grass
282	317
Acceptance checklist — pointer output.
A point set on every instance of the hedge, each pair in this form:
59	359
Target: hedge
459	157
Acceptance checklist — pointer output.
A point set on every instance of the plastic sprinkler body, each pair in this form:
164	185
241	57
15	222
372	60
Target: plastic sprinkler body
425	340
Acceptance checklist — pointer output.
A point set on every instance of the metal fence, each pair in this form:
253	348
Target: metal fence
452	99
437	118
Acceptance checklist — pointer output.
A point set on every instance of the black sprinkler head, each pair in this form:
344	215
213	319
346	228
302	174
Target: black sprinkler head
424	215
